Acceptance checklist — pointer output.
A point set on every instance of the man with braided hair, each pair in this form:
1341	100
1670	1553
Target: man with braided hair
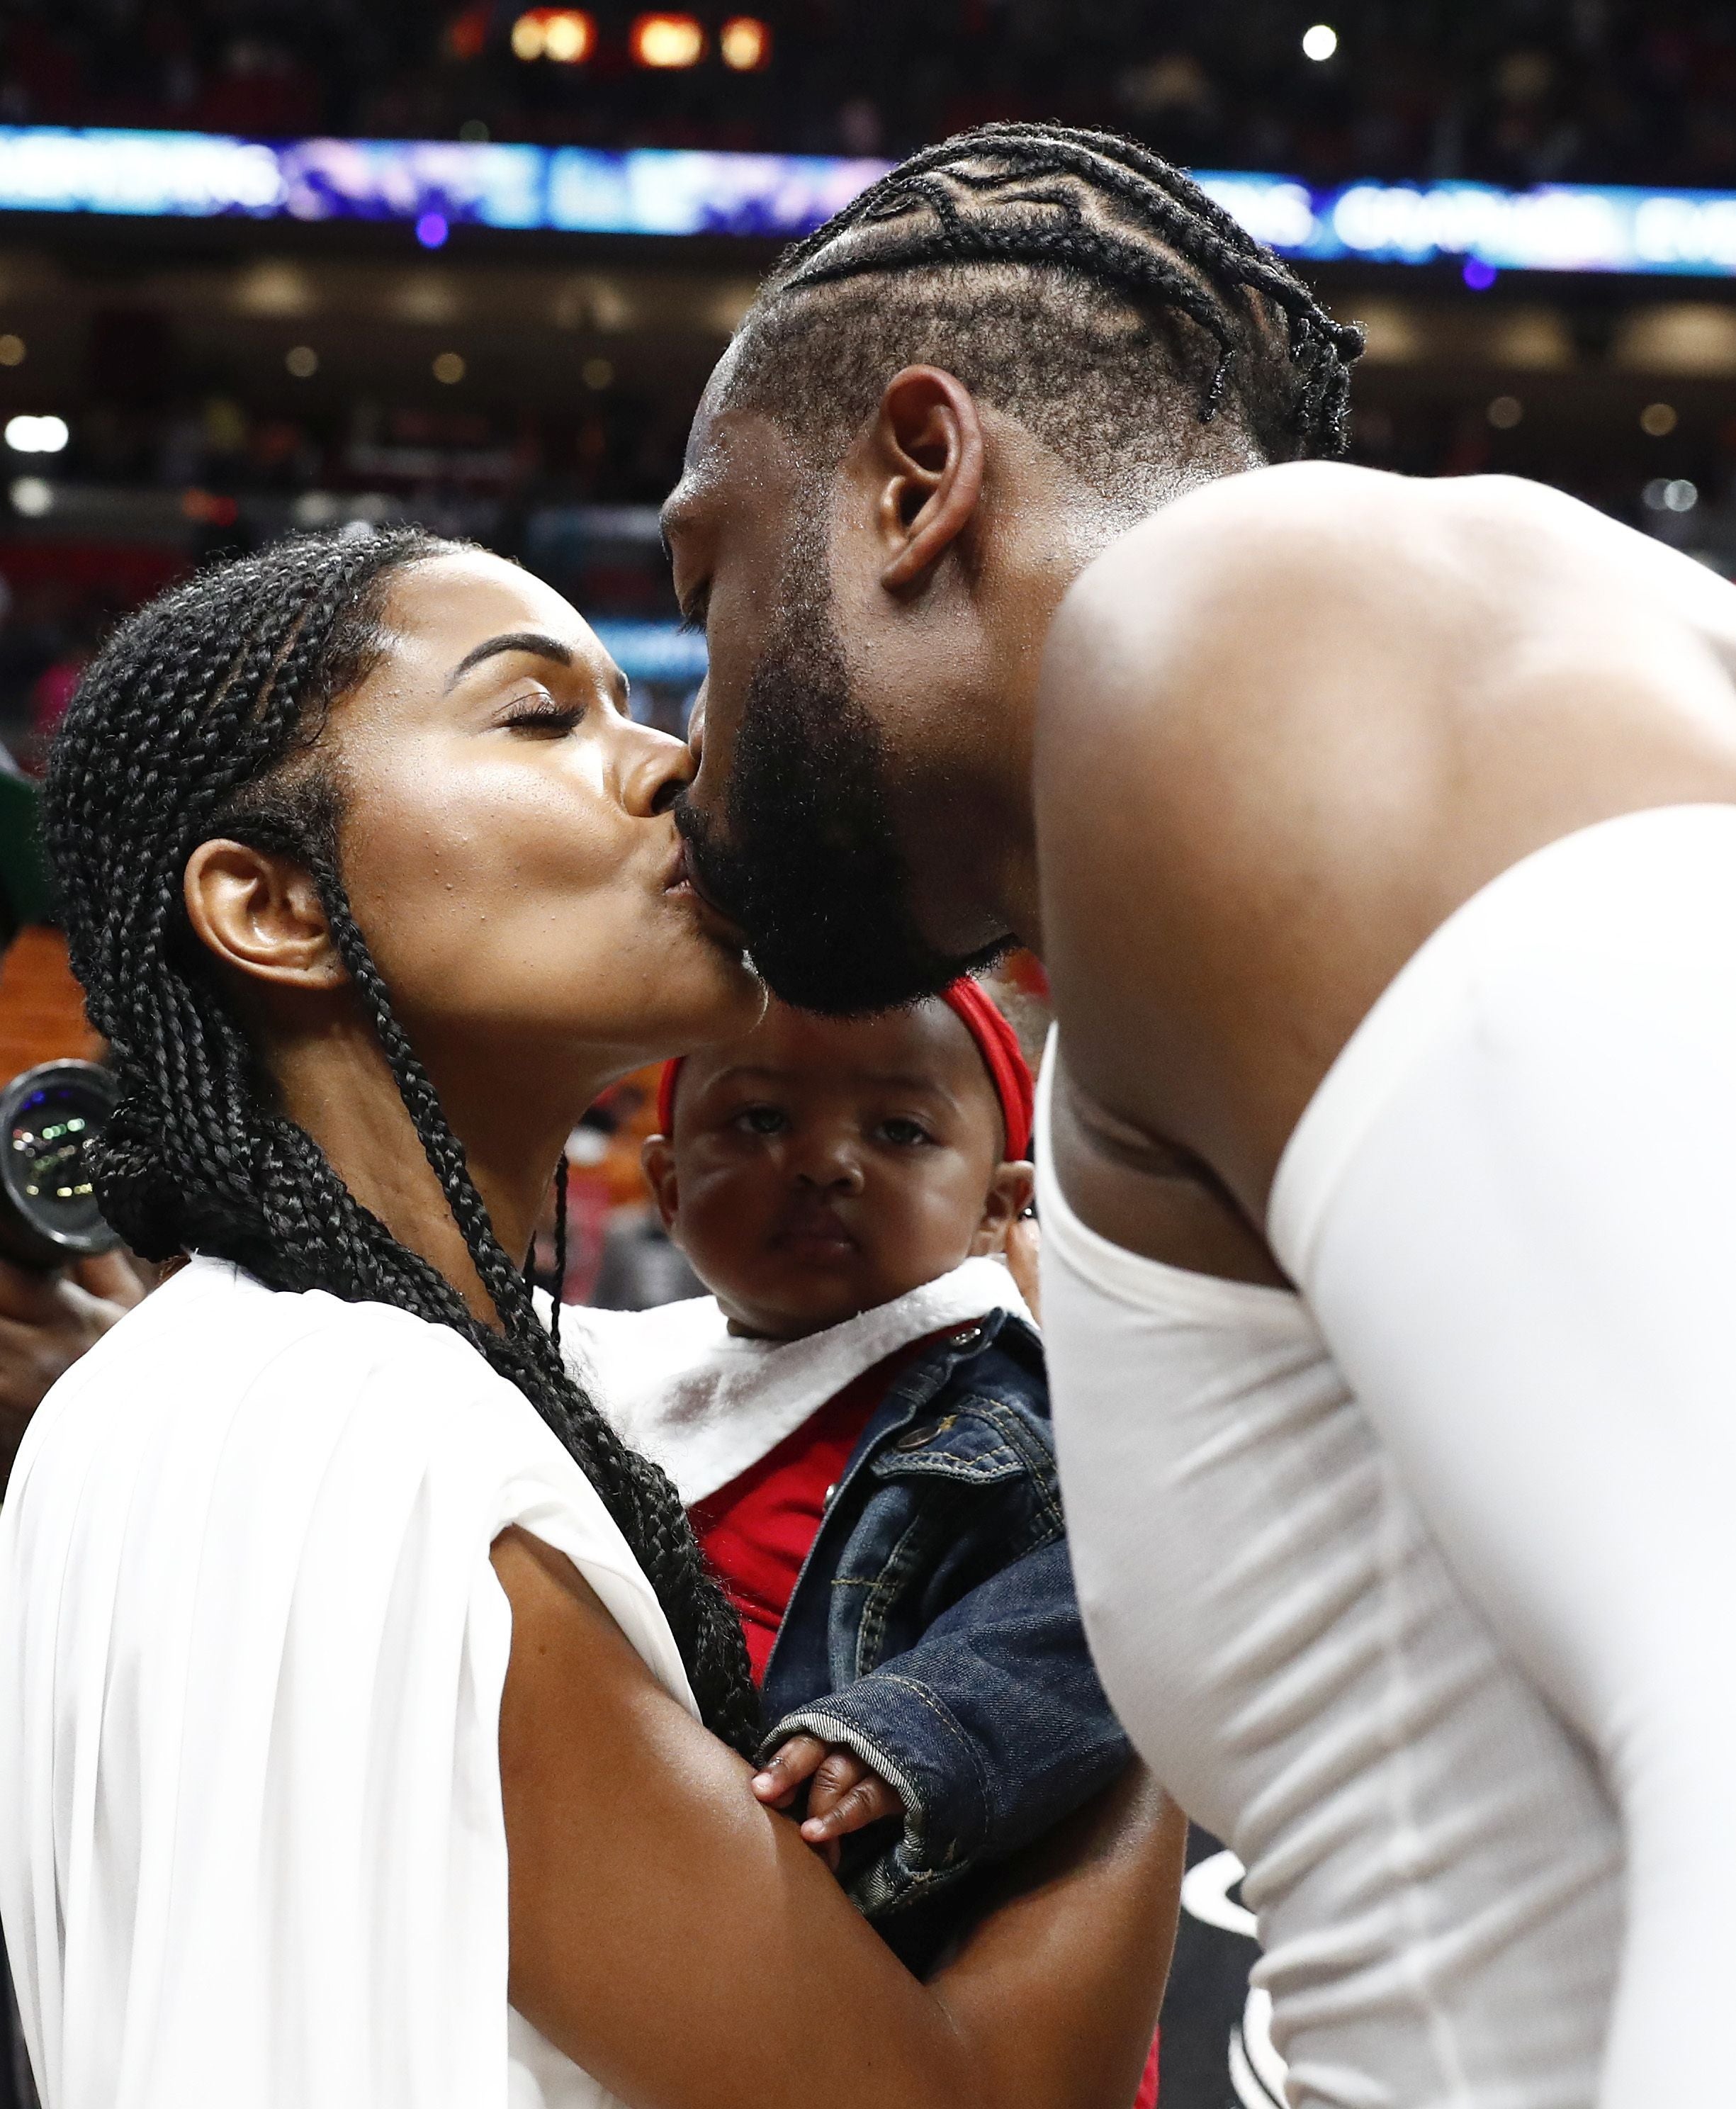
1378	838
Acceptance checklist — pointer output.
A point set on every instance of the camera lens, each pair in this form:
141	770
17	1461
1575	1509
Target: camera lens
48	1212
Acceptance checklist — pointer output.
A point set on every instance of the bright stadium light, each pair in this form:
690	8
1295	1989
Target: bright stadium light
564	35
1319	43
36	435
568	36
745	44
32	497
667	40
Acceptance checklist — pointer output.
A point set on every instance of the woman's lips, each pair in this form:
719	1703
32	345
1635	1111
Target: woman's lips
718	924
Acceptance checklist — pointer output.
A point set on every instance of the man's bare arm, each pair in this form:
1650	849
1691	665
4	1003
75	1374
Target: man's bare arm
1290	724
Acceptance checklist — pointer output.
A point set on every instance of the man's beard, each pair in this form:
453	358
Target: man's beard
809	864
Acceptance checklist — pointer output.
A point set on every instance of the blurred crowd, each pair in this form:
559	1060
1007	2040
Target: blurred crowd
224	476
1514	91
613	447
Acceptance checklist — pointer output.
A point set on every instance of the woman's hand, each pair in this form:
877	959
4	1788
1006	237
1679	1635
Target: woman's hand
680	1943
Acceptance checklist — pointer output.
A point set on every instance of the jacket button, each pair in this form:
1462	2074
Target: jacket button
830	1492
967	1336
913	1439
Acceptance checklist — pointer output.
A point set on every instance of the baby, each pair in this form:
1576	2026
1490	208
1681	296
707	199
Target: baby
858	1419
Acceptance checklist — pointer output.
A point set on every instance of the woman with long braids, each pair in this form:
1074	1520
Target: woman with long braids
348	1664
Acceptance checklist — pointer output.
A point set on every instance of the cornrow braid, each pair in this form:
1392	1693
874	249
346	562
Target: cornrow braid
202	717
1123	223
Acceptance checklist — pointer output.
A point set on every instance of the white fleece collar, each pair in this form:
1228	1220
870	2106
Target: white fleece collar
705	1404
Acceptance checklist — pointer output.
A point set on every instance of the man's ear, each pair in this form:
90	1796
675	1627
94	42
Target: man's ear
658	1157
925	454
1010	1193
261	913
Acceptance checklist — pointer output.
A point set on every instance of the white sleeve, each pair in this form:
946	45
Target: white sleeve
1512	1206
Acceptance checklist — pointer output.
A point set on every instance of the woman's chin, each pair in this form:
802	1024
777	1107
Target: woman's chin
721	1003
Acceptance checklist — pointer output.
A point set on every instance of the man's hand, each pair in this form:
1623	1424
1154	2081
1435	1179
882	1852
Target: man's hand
47	1321
844	1793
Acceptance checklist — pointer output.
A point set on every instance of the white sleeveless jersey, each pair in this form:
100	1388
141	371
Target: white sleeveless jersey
1433	1862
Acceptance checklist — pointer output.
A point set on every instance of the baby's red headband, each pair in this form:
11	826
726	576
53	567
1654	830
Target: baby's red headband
1002	1058
996	1042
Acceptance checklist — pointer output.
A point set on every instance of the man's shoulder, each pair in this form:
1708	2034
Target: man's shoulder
1301	550
1315	516
1292	722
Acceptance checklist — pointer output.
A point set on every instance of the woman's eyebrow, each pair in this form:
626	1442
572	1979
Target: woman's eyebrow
536	642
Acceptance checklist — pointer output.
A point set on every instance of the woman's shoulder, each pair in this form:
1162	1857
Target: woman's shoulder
216	1373
223	1412
213	1330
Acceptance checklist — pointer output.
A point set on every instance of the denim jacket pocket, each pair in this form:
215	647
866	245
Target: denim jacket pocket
975	1441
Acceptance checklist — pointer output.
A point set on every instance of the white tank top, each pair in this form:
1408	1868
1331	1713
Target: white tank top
1433	1862
251	1654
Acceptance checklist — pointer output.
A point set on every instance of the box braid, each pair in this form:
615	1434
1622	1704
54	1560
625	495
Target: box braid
1140	234
200	717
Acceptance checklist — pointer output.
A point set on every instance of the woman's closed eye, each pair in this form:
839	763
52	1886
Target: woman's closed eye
544	715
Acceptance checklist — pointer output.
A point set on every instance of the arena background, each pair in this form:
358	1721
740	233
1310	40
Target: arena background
267	263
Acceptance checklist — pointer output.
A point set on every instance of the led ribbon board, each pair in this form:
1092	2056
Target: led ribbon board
565	189
1557	227
1560	227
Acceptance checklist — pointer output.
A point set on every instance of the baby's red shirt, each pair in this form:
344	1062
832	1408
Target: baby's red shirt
757	1531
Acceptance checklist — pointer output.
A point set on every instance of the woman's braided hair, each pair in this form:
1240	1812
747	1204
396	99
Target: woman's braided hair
199	719
1127	228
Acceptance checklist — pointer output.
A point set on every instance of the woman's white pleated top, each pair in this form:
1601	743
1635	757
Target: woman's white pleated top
252	1655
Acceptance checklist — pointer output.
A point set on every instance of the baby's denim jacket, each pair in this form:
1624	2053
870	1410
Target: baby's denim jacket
935	1631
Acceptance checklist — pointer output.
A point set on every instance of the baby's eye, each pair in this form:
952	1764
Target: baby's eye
761	1120
904	1134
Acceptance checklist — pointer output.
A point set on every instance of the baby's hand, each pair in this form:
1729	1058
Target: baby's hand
844	1793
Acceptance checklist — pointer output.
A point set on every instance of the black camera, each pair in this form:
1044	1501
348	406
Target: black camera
48	1212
